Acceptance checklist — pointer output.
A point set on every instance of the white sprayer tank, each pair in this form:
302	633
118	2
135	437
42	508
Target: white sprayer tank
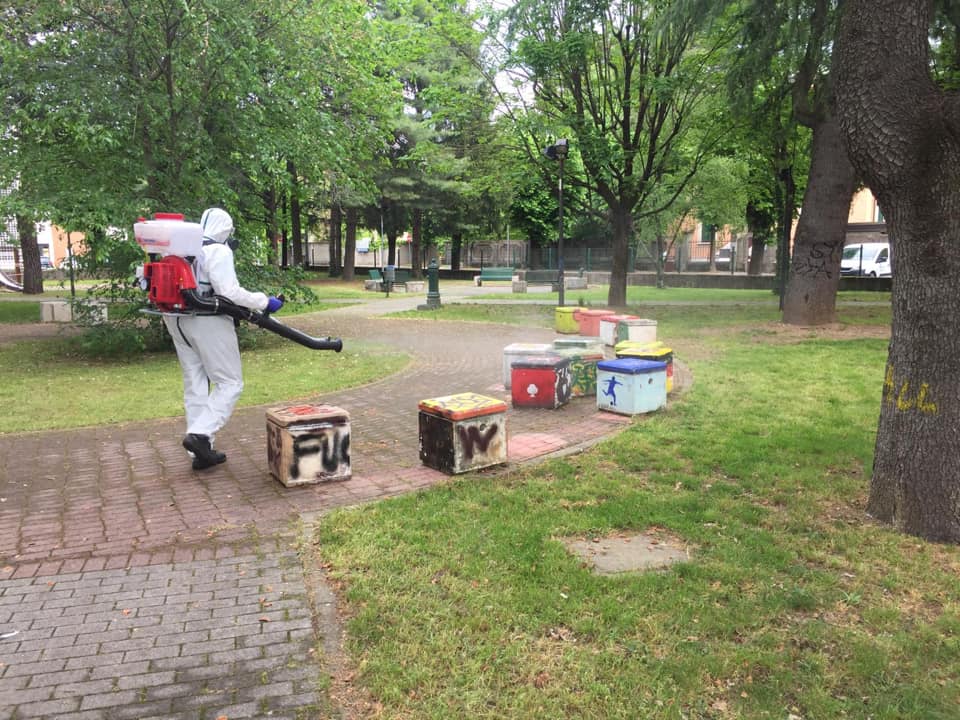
169	237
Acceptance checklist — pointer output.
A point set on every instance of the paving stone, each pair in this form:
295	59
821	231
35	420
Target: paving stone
115	671
86	687
156	710
108	699
240	710
176	690
34	668
25	696
55	678
94	661
152	653
145	680
50	708
71	651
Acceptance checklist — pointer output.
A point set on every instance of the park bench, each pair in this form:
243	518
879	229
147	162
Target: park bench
541	277
402	277
547	277
493	273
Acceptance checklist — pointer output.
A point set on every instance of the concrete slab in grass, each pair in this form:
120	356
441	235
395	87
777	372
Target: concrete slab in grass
627	553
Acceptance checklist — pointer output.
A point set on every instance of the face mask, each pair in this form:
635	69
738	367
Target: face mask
233	243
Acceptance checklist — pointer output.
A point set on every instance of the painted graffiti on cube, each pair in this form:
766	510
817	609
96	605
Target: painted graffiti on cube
631	386
321	453
462	432
308	444
564	387
611	389
541	381
476	436
274	446
584	373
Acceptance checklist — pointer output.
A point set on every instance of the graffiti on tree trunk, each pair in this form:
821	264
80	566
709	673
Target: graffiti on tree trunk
820	261
904	398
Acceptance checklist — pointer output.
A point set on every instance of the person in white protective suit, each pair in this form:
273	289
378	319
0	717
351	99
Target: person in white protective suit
207	345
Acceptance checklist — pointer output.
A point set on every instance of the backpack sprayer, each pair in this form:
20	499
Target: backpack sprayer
171	285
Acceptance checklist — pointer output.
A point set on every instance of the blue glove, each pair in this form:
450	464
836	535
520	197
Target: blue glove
274	304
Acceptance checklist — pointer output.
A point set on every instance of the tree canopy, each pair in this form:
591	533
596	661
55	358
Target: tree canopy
627	82
122	108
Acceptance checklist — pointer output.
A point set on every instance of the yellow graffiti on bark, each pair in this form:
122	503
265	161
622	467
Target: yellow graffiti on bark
903	400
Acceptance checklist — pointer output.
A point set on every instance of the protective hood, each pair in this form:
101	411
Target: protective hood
217	225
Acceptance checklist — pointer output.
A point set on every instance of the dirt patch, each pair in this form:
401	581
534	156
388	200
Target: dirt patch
651	550
833	331
779	333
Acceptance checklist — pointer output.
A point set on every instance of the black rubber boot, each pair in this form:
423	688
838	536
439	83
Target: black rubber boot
204	456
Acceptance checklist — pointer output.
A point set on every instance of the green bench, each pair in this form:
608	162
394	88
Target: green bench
548	277
541	277
493	273
402	277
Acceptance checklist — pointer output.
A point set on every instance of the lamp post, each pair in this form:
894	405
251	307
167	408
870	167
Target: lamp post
558	151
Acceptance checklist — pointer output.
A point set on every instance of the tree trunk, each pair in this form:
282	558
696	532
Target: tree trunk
455	248
284	236
903	136
29	255
336	236
391	247
658	261
811	297
760	224
415	246
787	189
713	247
617	295
273	236
296	228
757	248
350	244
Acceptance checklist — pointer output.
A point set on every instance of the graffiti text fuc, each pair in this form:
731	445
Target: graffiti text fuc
904	398
322	452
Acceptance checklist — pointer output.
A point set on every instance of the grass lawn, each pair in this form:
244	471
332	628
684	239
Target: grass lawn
464	603
66	391
673	321
596	295
531	315
332	288
61	288
58	390
15	312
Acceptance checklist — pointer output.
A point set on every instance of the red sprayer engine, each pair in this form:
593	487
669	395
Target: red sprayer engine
168	240
166	279
171	286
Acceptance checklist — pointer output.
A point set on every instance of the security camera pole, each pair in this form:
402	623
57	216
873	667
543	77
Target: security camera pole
558	151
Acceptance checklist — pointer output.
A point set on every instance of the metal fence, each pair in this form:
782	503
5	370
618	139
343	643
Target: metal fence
505	253
509	253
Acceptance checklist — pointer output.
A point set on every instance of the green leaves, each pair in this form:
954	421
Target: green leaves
127	108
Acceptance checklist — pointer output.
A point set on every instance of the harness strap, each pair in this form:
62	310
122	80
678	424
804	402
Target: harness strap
180	330
204	287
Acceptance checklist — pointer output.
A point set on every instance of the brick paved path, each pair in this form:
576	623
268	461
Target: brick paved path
138	588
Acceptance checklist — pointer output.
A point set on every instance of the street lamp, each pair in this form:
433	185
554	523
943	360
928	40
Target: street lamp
558	151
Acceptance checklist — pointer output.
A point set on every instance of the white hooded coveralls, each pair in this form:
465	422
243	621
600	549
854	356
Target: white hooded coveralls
207	344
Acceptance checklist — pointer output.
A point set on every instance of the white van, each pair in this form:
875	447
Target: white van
867	259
